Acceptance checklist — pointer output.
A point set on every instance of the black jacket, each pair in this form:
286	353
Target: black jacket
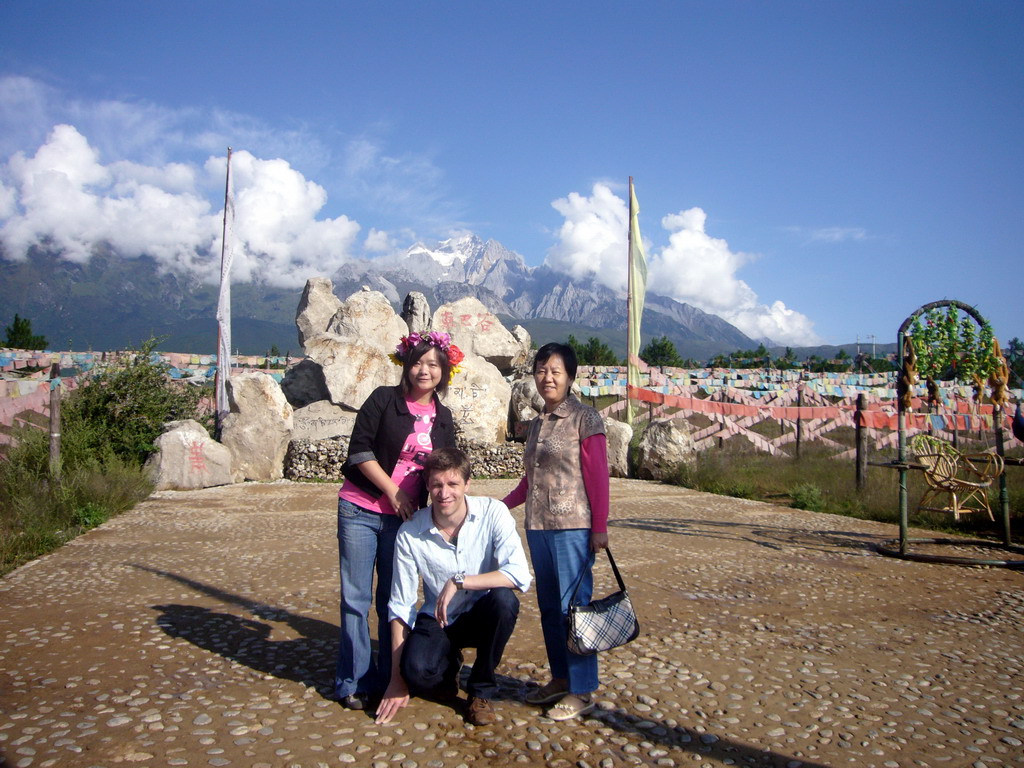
381	427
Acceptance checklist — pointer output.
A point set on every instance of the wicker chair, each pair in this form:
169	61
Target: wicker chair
963	478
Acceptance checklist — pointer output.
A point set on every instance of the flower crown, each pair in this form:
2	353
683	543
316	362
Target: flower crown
435	339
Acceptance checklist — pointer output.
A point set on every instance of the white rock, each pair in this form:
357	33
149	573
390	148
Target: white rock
187	457
663	447
416	312
478	398
316	308
352	370
366	317
619	434
258	428
477	331
321	420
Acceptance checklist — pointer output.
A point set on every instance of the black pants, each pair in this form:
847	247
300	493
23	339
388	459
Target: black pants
429	658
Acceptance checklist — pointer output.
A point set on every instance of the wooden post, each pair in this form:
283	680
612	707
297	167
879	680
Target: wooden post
55	422
799	425
1004	495
862	445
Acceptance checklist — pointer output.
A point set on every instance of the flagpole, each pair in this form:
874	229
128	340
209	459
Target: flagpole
629	305
224	311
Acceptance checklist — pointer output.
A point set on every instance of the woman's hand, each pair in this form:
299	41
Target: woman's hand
598	541
401	503
395	697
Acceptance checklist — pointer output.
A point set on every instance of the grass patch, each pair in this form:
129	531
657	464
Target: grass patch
108	427
821	483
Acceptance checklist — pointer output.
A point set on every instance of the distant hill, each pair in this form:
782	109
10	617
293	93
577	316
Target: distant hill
113	302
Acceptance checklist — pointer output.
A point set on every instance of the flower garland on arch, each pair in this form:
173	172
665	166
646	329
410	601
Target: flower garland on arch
437	339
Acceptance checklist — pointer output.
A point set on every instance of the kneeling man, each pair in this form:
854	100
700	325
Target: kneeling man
470	558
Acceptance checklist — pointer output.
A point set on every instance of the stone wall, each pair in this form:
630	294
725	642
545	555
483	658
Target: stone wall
322	459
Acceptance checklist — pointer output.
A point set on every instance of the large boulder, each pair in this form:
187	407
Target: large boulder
317	306
366	317
477	331
663	448
478	398
525	404
351	369
304	384
258	428
321	420
619	435
416	312
522	364
187	458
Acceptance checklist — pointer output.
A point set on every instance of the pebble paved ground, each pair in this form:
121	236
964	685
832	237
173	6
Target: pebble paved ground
199	630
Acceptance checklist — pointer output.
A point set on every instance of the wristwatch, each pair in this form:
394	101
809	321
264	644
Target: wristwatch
459	580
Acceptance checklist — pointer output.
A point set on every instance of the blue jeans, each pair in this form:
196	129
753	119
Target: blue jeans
558	558
365	539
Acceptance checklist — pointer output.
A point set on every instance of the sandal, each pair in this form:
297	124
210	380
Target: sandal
569	707
548	693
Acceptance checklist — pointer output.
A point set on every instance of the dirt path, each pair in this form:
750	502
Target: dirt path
200	630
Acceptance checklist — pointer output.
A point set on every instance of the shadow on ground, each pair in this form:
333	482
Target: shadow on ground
763	536
308	659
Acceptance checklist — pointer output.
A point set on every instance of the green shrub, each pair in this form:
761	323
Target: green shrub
121	411
108	428
808	496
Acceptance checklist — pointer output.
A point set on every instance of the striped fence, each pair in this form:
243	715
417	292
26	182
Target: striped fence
724	404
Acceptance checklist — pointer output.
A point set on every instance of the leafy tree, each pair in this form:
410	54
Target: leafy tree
661	352
594	352
20	336
274	351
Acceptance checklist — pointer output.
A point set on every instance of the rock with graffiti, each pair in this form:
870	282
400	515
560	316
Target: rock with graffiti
187	458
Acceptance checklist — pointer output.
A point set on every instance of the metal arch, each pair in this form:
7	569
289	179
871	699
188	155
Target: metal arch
901	423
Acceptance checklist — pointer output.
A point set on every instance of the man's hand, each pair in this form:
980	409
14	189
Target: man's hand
401	503
443	599
598	541
395	697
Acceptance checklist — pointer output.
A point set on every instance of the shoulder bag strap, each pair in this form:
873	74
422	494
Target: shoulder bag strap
583	572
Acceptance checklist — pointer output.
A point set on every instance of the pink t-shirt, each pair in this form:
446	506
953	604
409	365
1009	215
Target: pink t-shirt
408	472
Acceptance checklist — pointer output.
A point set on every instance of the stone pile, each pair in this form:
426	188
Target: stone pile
316	459
321	460
494	460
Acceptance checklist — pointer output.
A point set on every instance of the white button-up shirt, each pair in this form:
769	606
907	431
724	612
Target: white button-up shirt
488	541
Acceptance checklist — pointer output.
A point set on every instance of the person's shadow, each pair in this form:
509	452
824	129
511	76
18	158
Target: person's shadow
308	659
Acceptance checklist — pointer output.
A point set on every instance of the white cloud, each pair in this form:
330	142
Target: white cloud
694	267
66	198
378	241
592	239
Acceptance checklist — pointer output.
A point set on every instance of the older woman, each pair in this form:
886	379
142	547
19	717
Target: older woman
566	495
395	430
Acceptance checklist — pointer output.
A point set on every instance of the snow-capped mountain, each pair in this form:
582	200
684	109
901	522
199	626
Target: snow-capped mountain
501	279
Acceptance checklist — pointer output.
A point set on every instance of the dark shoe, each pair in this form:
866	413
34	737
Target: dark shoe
353	701
480	712
553	691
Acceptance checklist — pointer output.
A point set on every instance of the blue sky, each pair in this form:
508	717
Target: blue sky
809	171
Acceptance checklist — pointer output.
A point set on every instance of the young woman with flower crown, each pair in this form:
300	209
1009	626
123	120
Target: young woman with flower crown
395	430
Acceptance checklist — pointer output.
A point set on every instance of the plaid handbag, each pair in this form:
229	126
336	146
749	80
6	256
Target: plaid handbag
603	624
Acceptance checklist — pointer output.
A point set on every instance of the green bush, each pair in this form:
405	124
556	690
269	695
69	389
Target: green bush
108	428
121	411
808	496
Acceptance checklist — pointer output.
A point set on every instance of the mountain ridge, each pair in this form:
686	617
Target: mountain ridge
111	301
